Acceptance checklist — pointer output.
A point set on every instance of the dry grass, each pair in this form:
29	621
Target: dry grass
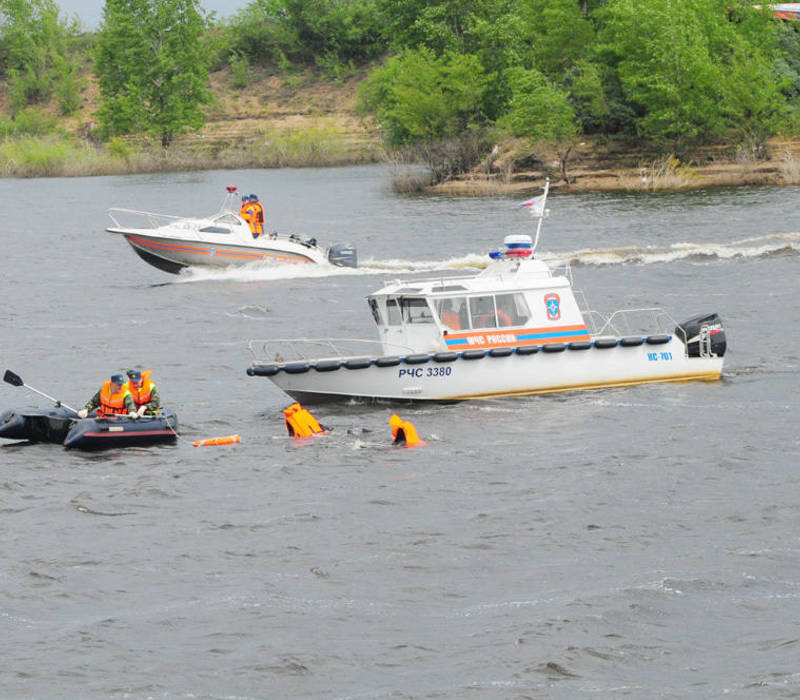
666	173
788	167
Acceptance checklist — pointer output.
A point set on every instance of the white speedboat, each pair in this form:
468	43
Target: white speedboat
514	328
172	243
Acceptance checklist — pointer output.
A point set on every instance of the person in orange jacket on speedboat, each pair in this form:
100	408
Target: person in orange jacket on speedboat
144	392
257	220
113	397
246	211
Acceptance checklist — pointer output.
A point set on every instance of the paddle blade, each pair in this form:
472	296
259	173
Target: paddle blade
13	379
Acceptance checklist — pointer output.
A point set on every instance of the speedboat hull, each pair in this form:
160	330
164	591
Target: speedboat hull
37	424
173	254
121	431
497	372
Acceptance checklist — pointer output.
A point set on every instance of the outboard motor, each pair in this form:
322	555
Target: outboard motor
343	255
703	335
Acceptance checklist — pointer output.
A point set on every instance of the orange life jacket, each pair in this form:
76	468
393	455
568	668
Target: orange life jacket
247	212
113	402
257	220
404	433
141	395
300	423
451	320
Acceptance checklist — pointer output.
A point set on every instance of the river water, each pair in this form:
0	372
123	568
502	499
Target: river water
636	542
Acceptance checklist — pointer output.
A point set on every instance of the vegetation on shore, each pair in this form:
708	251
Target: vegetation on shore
488	94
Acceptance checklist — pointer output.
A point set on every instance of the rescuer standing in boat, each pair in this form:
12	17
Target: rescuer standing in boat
144	392
113	397
257	220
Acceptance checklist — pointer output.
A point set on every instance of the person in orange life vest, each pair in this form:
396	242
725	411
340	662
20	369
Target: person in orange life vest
449	317
113	397
300	423
257	222
247	212
144	392
404	433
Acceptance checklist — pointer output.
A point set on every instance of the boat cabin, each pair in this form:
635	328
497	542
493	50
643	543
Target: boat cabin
513	302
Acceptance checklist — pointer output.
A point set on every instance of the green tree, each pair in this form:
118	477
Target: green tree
152	66
417	97
685	67
37	52
327	32
541	113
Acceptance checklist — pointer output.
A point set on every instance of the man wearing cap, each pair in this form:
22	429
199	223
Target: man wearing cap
112	398
257	221
143	391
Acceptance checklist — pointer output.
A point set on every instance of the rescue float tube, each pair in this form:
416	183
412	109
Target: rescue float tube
327	365
631	341
527	349
580	345
448	356
419	359
121	431
37	424
360	363
500	352
473	354
605	343
389	361
657	339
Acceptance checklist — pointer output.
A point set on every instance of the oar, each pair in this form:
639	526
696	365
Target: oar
15	380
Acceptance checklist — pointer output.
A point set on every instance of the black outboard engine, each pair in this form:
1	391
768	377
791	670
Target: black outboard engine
343	255
703	335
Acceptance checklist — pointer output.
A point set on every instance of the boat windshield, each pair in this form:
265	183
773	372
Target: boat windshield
415	310
485	311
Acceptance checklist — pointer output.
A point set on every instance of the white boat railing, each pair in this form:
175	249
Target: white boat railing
629	322
298	349
154	220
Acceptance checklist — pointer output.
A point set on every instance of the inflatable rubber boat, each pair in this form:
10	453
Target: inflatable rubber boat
60	425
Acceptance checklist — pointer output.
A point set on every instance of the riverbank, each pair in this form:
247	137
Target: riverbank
308	120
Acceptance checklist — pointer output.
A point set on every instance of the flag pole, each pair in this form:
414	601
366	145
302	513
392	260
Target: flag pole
542	213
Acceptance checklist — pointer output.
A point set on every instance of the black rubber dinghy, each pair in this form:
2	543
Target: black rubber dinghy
37	424
121	431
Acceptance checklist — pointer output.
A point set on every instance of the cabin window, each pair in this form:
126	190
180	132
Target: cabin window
512	310
416	311
214	229
393	312
452	312
481	310
226	220
376	312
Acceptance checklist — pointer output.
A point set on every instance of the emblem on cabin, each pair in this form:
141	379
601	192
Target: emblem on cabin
552	303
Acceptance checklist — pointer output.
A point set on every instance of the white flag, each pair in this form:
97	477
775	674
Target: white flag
536	205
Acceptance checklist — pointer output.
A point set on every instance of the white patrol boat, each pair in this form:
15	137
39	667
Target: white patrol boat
514	328
224	239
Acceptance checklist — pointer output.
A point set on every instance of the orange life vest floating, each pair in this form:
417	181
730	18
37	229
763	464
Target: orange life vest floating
300	423
404	433
225	440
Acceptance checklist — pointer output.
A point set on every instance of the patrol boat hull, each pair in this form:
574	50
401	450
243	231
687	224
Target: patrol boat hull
514	328
121	431
496	372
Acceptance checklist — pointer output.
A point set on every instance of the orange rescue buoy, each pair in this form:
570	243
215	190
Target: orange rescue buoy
225	440
404	433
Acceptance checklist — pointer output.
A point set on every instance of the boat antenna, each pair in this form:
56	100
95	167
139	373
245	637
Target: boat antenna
539	211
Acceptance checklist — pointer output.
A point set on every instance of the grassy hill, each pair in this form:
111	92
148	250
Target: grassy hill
307	119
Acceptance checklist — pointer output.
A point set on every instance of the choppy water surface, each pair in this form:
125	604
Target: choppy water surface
639	542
